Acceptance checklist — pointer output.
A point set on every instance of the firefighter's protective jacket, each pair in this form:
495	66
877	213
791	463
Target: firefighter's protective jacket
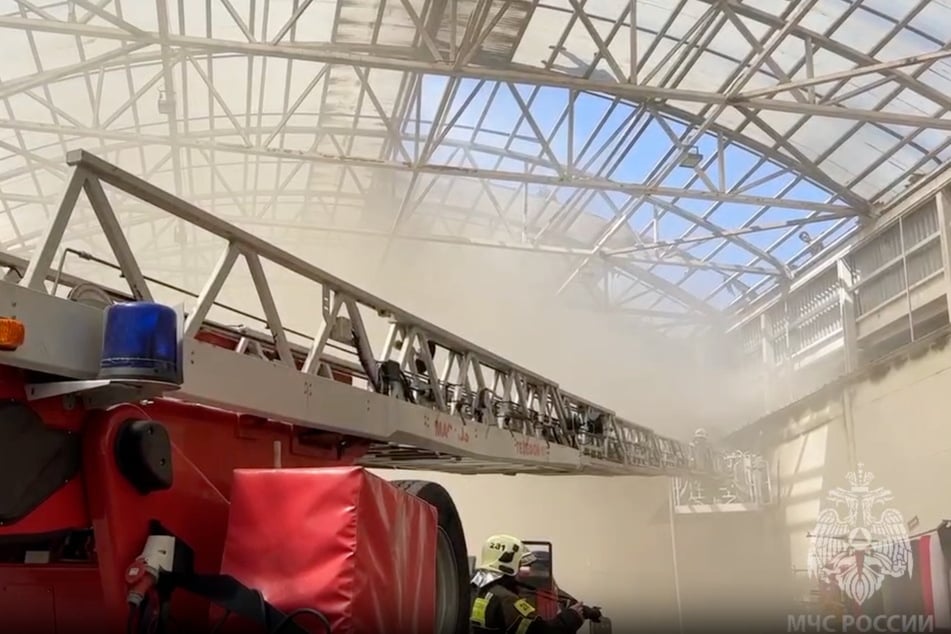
498	610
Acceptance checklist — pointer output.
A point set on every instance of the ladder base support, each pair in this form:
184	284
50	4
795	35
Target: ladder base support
98	393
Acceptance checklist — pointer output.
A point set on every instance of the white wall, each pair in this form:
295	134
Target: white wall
730	571
900	432
895	421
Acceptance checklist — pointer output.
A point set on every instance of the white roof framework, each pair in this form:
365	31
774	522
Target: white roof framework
679	156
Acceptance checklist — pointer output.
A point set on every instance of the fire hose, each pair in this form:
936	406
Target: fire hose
166	564
565	600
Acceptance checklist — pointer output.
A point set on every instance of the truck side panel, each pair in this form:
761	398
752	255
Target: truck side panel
51	598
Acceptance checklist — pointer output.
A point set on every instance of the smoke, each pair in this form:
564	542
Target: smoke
504	300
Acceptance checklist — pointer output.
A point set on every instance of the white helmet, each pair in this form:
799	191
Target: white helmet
505	554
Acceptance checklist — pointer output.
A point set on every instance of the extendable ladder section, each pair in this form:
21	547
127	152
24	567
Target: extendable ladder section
429	399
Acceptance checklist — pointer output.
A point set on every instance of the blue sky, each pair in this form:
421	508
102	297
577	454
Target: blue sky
504	113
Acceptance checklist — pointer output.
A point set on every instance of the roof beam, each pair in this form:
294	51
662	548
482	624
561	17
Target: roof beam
195	140
333	54
672	290
23	84
832	45
858	71
794	160
148	217
702	222
835	112
651	313
662	244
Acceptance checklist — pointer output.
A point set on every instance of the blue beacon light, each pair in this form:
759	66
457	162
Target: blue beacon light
140	343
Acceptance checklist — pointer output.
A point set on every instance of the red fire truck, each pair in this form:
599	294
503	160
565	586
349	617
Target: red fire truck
164	472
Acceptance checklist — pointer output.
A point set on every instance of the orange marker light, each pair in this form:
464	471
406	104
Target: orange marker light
12	333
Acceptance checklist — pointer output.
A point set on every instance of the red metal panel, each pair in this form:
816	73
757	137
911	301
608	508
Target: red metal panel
208	444
28	608
192	510
65	509
40	599
218	441
339	540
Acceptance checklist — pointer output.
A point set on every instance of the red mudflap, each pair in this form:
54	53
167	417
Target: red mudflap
339	540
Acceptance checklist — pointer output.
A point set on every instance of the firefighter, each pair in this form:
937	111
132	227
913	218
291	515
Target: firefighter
497	607
702	451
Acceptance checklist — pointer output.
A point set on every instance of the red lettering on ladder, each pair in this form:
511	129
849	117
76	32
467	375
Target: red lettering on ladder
443	429
446	430
529	448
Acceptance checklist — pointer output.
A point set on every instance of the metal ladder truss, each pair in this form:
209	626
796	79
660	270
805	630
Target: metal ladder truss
427	399
742	483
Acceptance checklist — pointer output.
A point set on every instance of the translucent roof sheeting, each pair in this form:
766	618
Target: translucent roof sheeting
679	156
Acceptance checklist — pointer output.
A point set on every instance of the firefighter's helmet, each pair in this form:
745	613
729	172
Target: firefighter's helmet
505	554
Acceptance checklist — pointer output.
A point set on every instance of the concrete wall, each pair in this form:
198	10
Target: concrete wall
895	422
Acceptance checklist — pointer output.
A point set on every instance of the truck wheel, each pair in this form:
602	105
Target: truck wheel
452	567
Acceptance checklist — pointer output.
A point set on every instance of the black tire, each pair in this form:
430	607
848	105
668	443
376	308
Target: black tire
453	537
